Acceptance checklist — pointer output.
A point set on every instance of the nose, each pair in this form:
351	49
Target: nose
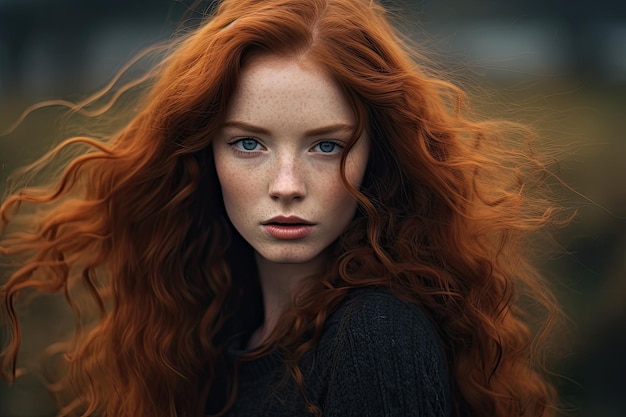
287	180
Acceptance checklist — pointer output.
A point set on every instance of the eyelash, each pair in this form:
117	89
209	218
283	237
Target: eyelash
237	149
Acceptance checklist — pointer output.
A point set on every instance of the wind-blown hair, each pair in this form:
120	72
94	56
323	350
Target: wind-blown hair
445	210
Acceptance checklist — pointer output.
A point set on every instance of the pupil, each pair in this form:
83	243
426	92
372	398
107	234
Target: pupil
327	146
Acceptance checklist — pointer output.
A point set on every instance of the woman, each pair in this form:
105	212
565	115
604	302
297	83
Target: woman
299	220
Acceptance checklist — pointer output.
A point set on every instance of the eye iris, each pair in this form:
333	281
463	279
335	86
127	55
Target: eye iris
248	144
327	146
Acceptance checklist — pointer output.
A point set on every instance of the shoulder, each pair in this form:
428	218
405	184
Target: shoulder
379	310
385	358
377	317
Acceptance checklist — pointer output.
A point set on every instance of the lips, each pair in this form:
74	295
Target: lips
288	227
287	221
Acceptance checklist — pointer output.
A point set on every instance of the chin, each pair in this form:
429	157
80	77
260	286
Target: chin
289	257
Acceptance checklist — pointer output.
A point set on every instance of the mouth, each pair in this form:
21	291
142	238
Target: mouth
288	229
286	224
287	221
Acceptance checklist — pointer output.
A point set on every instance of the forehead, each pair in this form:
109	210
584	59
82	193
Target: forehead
288	87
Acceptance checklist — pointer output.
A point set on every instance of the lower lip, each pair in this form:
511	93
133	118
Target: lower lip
289	232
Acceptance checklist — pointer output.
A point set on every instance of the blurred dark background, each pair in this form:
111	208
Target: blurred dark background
559	65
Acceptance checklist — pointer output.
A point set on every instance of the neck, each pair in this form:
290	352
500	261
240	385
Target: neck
279	281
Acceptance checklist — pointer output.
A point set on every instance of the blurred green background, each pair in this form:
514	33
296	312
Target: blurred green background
559	65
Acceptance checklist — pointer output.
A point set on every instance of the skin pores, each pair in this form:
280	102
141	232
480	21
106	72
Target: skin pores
277	159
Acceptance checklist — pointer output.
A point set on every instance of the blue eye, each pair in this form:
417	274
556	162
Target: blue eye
246	144
326	147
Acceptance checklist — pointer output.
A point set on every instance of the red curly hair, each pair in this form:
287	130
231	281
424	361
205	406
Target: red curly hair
137	220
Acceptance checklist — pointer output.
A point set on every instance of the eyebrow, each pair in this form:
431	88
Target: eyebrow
325	130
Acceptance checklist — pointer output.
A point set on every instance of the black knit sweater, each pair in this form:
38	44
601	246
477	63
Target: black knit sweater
377	357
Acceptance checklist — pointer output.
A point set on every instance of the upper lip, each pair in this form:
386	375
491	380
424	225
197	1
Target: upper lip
287	220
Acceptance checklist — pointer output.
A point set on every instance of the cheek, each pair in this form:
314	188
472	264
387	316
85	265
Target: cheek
336	194
339	200
355	168
235	187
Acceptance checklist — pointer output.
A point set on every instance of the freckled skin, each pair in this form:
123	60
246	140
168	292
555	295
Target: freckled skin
282	169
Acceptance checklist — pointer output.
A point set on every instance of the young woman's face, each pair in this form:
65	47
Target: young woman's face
277	159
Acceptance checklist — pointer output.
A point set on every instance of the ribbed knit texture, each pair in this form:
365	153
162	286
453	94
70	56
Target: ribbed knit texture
378	357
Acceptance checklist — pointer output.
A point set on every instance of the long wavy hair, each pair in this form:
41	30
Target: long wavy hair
137	221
